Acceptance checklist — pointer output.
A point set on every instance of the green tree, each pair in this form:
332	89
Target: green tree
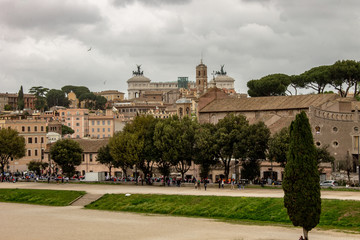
78	90
345	74
67	154
165	140
89	99
8	107
186	144
301	179
104	157
37	166
100	102
40	93
143	126
270	85
231	135
257	144
125	148
66	130
205	150
56	97
279	146
12	146
20	101
316	78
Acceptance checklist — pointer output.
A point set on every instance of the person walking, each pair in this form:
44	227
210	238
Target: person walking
232	184
205	184
222	183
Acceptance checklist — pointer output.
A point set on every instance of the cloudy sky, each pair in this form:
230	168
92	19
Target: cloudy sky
46	43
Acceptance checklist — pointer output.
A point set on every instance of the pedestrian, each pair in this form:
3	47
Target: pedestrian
199	185
219	183
48	179
205	184
222	183
232	184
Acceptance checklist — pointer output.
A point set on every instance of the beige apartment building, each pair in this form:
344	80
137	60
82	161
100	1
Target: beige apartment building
77	119
34	132
101	126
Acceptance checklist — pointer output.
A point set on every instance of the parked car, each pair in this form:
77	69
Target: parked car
329	183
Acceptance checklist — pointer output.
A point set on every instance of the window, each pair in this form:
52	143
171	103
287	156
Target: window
91	157
35	139
42	128
29	129
93	122
108	129
29	140
42	139
23	128
103	122
68	119
29	152
108	122
98	130
36	152
35	129
335	143
93	130
103	129
63	113
77	124
69	124
356	129
78	119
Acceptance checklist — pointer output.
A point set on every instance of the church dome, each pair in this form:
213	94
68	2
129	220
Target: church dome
224	78
138	78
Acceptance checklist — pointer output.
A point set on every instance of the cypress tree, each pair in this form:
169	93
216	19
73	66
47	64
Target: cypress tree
20	102
301	179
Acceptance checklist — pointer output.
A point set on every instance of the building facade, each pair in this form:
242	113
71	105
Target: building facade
34	132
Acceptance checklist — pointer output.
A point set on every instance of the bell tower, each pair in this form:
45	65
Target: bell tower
201	77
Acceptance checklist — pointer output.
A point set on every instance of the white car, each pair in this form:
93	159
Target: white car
329	183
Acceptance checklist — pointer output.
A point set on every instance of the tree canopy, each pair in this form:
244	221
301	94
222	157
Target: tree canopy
104	157
66	130
67	154
316	78
12	146
56	97
270	85
301	181
40	94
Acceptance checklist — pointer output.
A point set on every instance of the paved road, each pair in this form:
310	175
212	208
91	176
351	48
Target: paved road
33	222
104	188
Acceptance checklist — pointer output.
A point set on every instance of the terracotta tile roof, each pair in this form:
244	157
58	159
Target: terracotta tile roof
268	103
91	145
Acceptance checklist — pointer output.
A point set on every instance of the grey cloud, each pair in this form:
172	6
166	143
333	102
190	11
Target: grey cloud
47	15
123	3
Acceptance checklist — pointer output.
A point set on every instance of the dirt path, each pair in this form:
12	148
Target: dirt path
33	222
41	222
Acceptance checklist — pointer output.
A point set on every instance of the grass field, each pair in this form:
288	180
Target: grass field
336	214
39	197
